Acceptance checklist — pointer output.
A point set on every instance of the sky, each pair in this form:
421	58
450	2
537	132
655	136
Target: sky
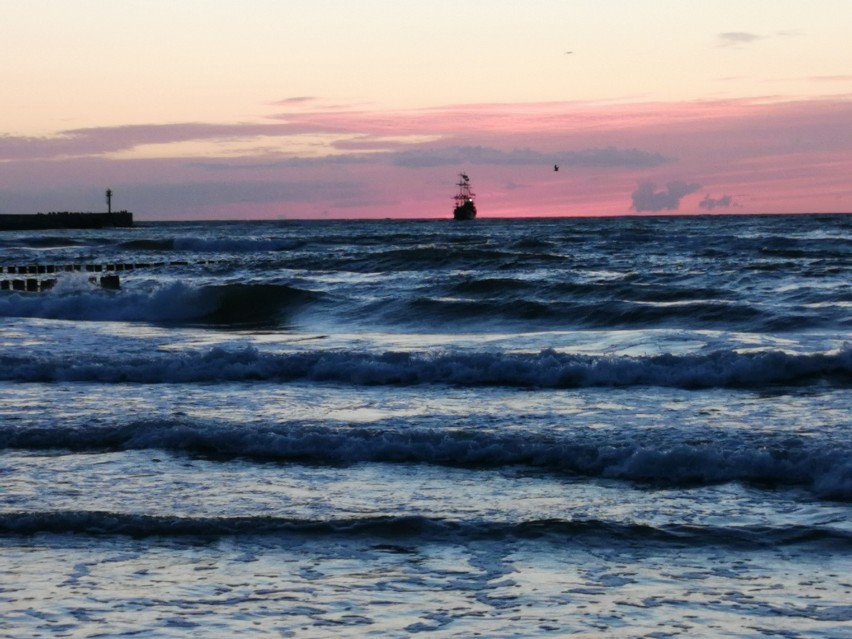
273	109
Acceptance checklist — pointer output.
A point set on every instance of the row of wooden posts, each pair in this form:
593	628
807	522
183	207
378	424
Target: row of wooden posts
109	281
37	284
39	269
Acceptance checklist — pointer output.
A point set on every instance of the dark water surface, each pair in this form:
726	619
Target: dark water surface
633	427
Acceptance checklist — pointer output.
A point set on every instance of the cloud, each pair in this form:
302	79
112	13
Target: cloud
737	38
740	38
428	156
298	162
609	157
830	78
301	99
580	135
646	197
710	203
788	155
406	150
200	194
187	195
102	140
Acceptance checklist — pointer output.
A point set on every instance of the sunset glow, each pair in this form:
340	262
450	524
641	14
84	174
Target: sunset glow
255	110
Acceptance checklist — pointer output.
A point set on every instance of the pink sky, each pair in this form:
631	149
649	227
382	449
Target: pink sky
745	155
264	109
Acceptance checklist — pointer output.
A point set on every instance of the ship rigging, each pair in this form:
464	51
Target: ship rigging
465	208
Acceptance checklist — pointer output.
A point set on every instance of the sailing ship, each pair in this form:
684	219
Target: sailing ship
465	208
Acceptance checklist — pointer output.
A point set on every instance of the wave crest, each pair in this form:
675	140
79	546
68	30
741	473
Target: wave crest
222	304
546	369
824	467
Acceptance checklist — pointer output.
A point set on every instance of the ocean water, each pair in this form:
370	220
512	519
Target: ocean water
632	427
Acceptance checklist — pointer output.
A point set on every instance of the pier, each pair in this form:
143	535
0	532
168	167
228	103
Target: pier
68	219
65	220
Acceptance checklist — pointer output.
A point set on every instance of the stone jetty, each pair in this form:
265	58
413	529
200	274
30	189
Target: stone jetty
65	220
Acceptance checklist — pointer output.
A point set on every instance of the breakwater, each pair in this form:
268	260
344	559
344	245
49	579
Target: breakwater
43	277
36	285
104	275
65	220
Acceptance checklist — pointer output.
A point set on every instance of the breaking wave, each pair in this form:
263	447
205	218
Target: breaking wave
545	369
716	456
220	304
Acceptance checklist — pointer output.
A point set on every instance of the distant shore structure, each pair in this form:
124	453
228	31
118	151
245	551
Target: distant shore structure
68	219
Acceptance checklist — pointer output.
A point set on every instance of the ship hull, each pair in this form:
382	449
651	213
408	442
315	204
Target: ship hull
466	211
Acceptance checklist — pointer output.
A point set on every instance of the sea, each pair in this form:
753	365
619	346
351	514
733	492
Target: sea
591	427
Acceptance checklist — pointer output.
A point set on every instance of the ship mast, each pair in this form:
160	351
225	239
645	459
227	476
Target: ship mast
464	194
